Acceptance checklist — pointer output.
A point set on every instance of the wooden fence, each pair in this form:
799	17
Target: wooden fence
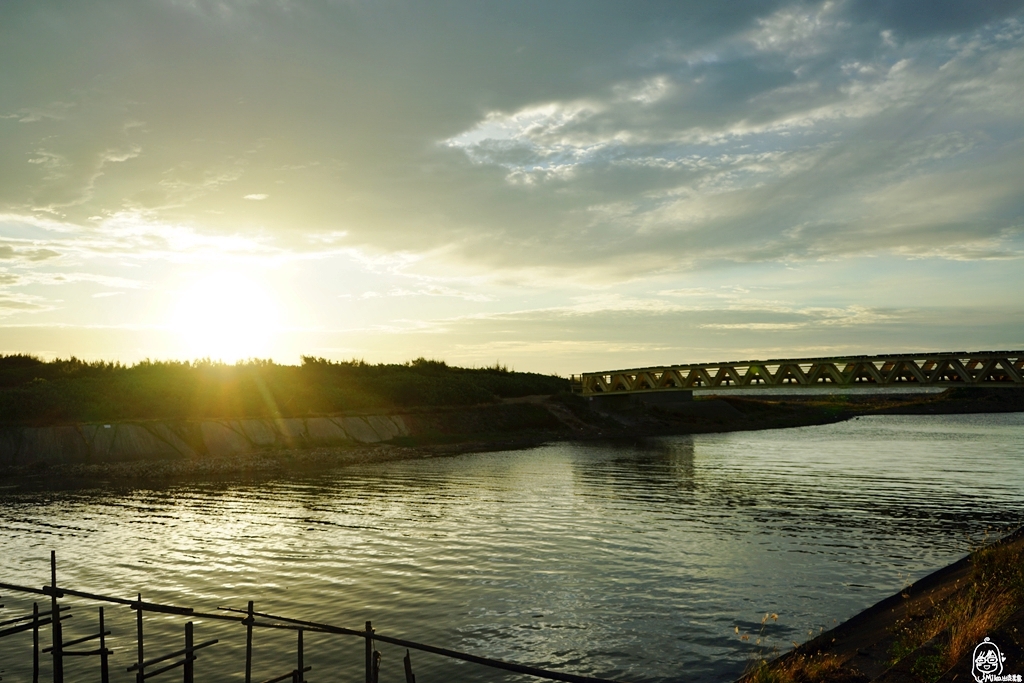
184	657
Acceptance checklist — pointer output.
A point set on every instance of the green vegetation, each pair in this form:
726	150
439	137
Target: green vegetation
63	391
995	590
926	644
816	669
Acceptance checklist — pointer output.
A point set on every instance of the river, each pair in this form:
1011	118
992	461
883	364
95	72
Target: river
633	561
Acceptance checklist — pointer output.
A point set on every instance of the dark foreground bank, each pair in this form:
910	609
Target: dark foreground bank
930	632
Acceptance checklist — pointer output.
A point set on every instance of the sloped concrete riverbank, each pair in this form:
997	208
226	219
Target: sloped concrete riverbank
114	442
197	441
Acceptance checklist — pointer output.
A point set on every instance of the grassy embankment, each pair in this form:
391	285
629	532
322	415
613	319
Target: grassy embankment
927	636
37	393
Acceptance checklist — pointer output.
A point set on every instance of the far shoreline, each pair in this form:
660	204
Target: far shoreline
570	418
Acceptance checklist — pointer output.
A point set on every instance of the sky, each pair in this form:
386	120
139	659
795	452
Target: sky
552	185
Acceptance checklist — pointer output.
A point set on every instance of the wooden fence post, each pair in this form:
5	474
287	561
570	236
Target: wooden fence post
55	628
409	677
189	657
140	676
35	642
248	621
369	653
104	653
187	654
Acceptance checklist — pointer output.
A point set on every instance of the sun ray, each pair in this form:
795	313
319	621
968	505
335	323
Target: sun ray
226	316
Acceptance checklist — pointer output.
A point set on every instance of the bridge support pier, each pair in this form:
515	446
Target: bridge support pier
666	400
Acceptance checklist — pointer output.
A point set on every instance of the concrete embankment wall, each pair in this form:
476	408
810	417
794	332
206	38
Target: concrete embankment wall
188	439
85	443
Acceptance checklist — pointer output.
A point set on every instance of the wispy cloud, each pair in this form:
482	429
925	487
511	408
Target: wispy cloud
18	252
11	303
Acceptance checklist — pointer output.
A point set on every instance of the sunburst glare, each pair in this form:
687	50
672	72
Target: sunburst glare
226	316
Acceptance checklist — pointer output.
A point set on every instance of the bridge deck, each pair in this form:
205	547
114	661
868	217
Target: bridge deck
954	369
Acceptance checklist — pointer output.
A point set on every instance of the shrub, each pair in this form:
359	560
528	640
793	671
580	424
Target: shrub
37	392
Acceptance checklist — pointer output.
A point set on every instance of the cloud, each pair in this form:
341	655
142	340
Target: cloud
915	19
751	326
695	137
68	278
136	236
578	159
53	111
11	304
436	290
19	252
831	145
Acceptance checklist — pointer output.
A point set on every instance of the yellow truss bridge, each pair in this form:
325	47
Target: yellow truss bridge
955	369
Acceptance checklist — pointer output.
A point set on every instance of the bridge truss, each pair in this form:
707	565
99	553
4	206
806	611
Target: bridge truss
957	369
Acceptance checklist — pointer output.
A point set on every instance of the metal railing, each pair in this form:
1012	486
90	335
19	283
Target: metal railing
184	658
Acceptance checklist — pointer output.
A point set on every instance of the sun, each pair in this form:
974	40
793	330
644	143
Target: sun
226	316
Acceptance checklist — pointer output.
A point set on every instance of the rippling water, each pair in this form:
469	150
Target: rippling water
634	561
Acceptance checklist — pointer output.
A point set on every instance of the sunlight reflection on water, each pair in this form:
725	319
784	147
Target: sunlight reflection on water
634	561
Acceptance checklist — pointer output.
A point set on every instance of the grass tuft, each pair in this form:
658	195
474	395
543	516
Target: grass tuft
995	589
819	668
